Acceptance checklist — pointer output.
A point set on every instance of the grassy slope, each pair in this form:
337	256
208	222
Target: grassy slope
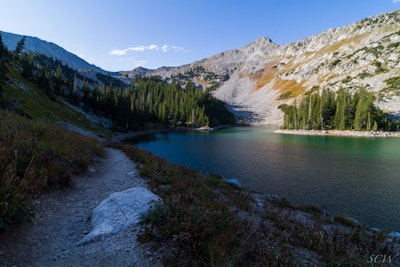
26	97
35	153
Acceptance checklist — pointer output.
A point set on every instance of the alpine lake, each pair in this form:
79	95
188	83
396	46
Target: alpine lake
358	177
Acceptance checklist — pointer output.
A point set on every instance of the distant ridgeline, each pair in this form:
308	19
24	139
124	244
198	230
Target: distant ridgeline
130	107
344	110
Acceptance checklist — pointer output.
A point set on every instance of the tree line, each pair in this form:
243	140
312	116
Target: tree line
150	99
344	110
131	107
8	59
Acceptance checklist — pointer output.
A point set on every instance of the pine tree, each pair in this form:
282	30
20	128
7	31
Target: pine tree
362	119
3	68
19	47
343	111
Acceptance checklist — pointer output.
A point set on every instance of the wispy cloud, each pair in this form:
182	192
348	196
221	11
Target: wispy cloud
396	1
118	52
141	48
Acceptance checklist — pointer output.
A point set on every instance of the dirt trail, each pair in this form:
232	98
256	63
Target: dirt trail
63	218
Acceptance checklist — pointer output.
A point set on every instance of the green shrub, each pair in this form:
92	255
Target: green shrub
285	95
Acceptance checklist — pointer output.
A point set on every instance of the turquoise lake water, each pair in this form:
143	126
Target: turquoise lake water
354	176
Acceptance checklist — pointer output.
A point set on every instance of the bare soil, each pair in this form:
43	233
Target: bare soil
62	218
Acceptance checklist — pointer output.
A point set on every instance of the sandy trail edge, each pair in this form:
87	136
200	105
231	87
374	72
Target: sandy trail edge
63	218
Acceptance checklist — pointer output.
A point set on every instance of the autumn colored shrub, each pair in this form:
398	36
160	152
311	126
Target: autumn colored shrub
35	155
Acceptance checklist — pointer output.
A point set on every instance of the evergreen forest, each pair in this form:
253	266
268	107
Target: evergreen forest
147	100
344	110
152	100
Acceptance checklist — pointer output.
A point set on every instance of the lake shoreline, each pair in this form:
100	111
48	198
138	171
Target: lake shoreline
248	140
121	137
339	133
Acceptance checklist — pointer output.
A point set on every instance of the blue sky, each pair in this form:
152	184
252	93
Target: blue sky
124	34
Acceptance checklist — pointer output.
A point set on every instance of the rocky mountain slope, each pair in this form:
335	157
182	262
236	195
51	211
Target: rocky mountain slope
262	75
255	79
38	46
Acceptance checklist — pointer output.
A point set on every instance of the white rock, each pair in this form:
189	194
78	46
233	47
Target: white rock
394	235
119	211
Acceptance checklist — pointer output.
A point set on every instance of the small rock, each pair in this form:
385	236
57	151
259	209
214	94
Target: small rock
393	236
85	232
375	230
148	253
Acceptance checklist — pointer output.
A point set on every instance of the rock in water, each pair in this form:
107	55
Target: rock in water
119	211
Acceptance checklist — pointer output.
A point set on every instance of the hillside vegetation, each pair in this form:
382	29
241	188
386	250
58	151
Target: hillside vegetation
36	156
35	153
38	92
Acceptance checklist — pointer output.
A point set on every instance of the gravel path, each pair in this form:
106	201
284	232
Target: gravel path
63	218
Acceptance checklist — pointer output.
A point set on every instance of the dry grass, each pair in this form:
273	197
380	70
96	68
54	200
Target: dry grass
290	86
35	156
270	74
197	219
203	221
264	77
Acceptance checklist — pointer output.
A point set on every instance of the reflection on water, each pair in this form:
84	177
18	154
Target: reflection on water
359	177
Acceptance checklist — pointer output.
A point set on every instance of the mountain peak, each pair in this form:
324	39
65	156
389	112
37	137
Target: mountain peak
262	46
263	39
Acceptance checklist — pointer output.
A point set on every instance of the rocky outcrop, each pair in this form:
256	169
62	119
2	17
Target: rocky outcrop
263	75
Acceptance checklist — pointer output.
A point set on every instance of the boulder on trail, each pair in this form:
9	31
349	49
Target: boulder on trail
119	211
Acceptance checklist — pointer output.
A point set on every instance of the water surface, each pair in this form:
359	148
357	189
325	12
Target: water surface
355	176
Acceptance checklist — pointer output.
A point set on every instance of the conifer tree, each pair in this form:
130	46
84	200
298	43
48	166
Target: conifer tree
19	47
343	111
3	64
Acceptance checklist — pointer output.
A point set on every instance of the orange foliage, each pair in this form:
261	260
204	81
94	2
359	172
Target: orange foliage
285	86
